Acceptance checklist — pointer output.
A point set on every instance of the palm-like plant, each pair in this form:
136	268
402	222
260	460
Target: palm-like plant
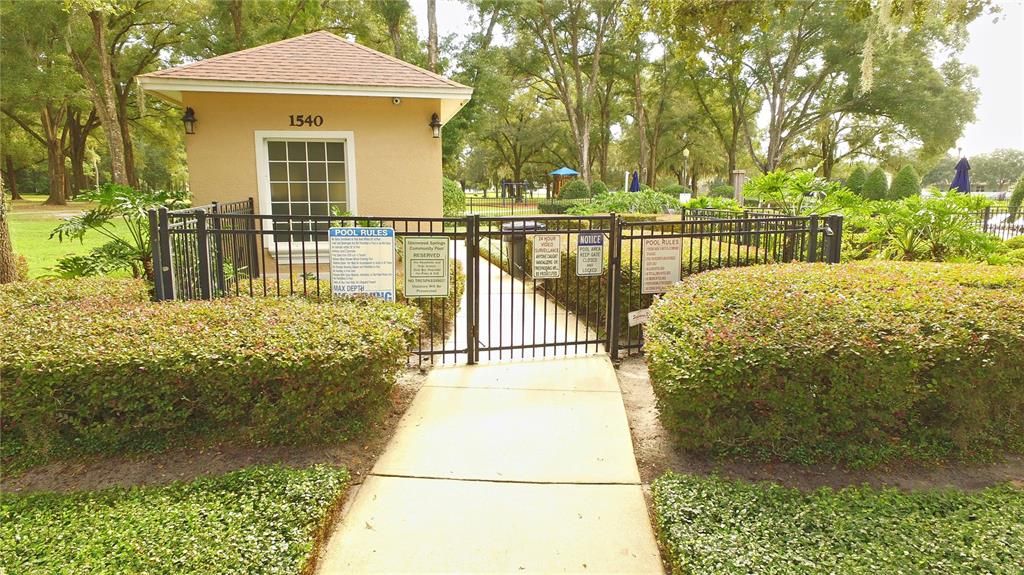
129	244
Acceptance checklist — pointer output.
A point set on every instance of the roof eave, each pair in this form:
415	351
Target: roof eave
171	89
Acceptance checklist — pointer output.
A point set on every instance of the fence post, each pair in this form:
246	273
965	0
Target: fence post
255	240
986	216
166	260
473	265
154	257
218	243
834	247
812	241
203	253
614	279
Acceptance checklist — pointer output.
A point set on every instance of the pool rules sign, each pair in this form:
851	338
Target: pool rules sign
661	264
363	262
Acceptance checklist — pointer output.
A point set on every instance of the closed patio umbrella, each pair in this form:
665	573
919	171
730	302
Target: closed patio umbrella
962	177
634	183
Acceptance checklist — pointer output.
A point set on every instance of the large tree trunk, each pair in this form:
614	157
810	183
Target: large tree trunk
78	138
432	34
235	10
11	177
54	157
8	265
395	31
640	115
104	97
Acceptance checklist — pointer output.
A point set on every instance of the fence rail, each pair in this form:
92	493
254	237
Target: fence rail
227	250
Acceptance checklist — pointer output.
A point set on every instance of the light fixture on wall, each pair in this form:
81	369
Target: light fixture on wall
435	125
189	119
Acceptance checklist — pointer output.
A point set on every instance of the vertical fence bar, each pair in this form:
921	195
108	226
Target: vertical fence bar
985	218
154	258
203	253
614	280
218	250
166	261
812	239
472	294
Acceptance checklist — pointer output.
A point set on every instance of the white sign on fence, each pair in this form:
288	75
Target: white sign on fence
363	262
547	257
426	267
661	264
639	316
589	253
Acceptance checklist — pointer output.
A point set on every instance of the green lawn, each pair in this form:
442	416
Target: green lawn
258	520
713	526
31	223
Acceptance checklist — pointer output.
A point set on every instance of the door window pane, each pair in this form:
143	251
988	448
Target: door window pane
275	151
335	152
278	172
316	151
296	151
306	179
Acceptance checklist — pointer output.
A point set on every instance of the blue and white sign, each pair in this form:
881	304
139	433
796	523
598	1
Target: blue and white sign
589	253
363	262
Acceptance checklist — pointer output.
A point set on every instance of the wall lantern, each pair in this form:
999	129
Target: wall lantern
189	119
435	125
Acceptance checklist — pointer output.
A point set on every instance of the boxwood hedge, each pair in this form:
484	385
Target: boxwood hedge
859	363
120	371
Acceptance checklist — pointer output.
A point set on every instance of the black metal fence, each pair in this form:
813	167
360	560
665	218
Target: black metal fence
522	286
500	207
1001	221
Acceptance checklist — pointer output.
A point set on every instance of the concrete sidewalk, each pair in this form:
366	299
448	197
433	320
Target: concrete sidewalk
522	467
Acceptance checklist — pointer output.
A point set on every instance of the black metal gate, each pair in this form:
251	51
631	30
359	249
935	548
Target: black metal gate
519	287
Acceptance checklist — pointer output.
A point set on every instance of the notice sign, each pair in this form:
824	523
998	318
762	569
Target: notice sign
661	264
589	253
426	267
639	317
363	262
547	257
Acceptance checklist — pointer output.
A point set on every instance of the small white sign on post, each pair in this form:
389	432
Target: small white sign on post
639	316
426	267
363	262
661	264
547	257
589	253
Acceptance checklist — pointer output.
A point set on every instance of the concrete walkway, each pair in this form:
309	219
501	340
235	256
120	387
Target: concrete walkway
523	467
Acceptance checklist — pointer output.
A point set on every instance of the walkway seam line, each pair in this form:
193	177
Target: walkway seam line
481	387
517	481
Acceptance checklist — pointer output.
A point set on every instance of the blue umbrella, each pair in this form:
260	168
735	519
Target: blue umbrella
634	182
962	179
564	172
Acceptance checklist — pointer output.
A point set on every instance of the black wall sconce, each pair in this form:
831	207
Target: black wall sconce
435	125
189	119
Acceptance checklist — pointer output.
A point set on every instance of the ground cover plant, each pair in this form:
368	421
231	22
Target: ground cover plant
257	520
127	373
859	363
714	526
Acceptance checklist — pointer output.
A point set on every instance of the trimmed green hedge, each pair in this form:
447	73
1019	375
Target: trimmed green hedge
712	526
121	373
257	520
859	363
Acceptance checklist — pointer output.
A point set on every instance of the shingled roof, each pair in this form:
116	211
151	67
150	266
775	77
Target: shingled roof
319	62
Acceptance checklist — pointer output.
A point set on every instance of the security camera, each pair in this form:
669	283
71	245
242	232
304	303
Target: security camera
396	101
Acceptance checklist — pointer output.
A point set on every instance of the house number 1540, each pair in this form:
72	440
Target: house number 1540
307	120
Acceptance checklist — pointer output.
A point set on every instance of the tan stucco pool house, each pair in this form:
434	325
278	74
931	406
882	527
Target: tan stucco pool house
313	124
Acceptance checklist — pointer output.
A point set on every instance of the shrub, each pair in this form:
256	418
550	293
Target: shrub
262	519
876	187
598	187
453	198
1014	243
714	526
1016	256
906	184
793	193
860	363
940	227
133	374
647	202
856	180
1017	198
574	190
555	206
721	191
713	203
675	190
